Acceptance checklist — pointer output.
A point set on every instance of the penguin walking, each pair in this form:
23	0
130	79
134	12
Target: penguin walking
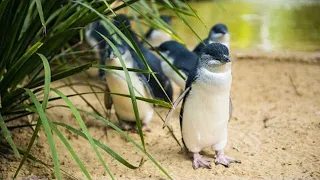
219	33
117	84
178	55
206	107
157	36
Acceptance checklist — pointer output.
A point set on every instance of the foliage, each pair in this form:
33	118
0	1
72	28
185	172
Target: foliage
35	35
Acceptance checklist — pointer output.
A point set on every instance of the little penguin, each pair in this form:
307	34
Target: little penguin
219	33
179	56
157	36
96	41
206	106
153	61
116	81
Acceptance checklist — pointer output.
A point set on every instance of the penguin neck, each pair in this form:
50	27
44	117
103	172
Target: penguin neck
225	39
219	78
116	62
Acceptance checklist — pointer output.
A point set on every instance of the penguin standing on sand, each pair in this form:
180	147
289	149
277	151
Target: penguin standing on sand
205	110
219	33
179	56
117	84
157	36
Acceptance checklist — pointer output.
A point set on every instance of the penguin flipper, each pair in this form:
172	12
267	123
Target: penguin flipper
175	105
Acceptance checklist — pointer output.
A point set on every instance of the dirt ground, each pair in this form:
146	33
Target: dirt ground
274	131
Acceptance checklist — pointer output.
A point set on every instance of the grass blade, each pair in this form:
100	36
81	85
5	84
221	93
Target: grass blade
43	22
106	68
128	138
26	153
84	129
47	130
182	18
194	12
7	136
47	81
60	75
102	146
70	149
152	101
9	78
131	91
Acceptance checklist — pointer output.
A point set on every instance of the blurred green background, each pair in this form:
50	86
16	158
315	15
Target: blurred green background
258	24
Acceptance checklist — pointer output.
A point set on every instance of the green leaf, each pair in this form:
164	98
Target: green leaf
194	12
131	91
182	18
129	139
47	129
106	68
152	101
9	78
84	129
102	146
39	7
60	75
7	136
47	81
26	153
71	150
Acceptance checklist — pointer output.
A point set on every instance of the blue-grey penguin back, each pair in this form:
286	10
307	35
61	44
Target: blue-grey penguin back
183	59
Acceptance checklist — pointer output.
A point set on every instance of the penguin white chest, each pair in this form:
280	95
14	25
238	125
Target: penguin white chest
123	105
158	36
206	112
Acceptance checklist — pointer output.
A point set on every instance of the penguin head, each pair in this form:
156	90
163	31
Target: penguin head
170	47
124	53
121	20
218	31
167	19
214	56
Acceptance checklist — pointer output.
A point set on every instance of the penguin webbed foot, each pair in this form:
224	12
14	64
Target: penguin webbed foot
131	126
221	158
200	161
146	128
127	126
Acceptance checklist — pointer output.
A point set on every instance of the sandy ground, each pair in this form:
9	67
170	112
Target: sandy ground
274	131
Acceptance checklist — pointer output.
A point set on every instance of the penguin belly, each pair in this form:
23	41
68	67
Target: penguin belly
169	72
205	117
123	105
157	37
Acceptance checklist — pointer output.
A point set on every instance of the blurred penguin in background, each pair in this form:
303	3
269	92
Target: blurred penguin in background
117	83
157	36
95	40
153	61
180	57
219	33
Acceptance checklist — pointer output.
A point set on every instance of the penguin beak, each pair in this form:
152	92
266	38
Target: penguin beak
227	60
224	32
